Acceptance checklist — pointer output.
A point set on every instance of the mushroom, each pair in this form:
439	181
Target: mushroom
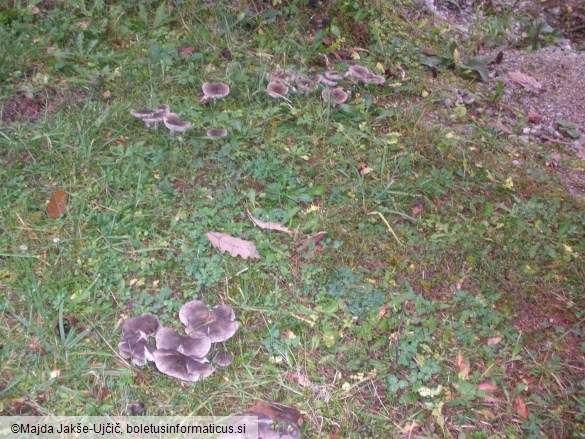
194	347
377	79
219	324
364	75
276	89
141	114
177	365
135	334
333	76
277	75
223	359
138	350
359	72
328	82
156	117
174	123
214	90
217	132
306	85
334	95
141	327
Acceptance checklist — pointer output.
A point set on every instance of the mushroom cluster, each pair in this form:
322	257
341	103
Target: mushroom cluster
181	356
162	114
282	81
363	74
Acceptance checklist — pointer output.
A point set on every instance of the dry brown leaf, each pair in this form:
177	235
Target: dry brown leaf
301	380
186	51
464	367
487	387
305	243
500	126
234	246
417	209
269	226
526	81
493	340
534	116
521	407
57	203
277	411
410	428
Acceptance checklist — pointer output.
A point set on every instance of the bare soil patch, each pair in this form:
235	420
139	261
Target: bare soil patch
26	107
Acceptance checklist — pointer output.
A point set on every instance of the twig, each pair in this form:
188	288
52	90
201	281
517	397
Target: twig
387	225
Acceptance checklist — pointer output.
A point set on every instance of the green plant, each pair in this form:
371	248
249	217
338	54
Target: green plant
538	33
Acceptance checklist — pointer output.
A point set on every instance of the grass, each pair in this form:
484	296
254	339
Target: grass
470	272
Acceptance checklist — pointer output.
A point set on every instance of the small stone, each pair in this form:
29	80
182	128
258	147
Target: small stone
515	162
526	130
524	139
557	135
448	103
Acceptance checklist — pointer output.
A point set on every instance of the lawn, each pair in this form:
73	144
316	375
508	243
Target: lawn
432	281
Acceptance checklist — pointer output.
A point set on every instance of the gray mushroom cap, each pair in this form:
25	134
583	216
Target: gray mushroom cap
358	72
195	347
157	117
333	76
141	114
306	85
174	123
276	89
217	132
215	90
137	349
177	365
376	79
335	95
219	324
328	82
135	334
143	326
223	359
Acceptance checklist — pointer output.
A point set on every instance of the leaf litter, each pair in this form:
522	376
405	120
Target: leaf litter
268	225
234	246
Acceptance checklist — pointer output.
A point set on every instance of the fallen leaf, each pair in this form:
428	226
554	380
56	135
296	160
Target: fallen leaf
487	387
278	411
269	226
417	209
363	169
382	312
464	367
307	241
57	203
499	57
301	380
234	246
533	116
410	428
493	340
521	407
186	52
500	126
526	81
